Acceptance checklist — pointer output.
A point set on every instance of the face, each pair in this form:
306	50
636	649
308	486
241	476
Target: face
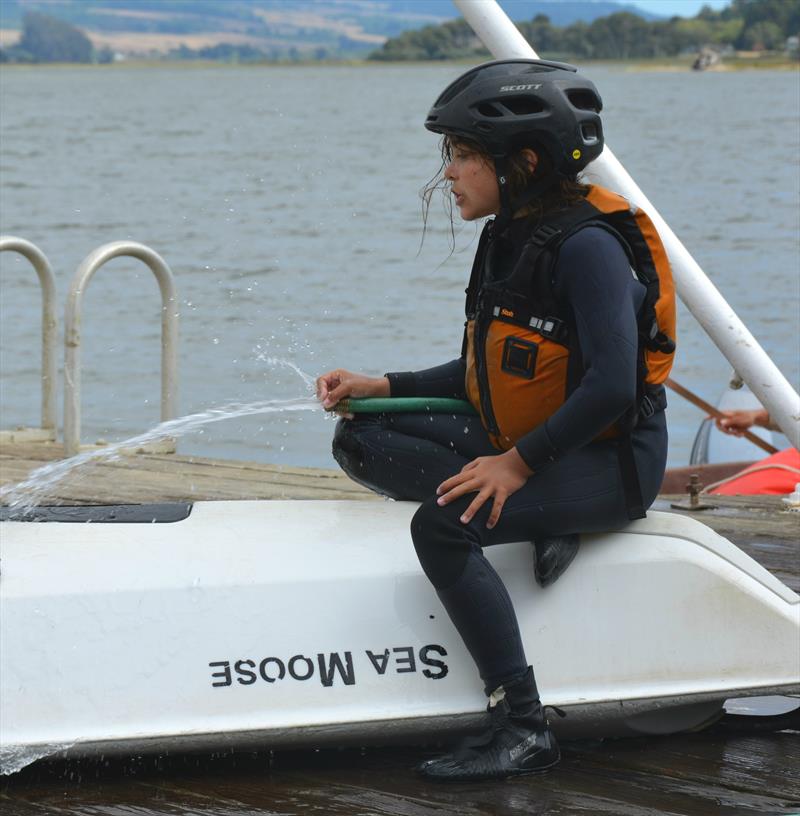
473	183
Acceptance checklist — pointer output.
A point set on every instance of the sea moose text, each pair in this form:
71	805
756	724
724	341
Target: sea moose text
328	667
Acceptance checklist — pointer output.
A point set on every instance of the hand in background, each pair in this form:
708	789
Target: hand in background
737	422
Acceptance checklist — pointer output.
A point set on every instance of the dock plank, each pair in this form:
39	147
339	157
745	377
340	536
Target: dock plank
135	478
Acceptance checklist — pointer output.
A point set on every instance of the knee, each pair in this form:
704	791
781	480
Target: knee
347	445
442	542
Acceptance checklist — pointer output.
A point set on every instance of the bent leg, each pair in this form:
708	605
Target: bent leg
580	493
407	456
471	591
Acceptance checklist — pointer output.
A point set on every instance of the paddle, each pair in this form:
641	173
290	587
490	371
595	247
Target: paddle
716	413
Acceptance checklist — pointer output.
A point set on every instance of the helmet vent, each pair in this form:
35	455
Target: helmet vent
490	109
523	105
540	68
589	133
451	91
584	100
511	105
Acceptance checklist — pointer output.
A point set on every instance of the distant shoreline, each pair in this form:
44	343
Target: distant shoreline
683	63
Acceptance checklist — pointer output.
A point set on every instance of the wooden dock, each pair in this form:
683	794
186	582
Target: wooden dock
729	769
757	524
142	478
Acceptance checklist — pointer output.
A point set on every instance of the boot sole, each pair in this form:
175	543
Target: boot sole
490	777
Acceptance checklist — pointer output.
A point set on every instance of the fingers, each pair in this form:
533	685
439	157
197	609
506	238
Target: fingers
449	484
474	506
497	509
336	394
470	485
455	487
334	386
463	474
478	502
730	426
737	422
337	385
326	382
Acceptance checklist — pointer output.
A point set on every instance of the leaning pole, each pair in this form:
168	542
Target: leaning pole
696	291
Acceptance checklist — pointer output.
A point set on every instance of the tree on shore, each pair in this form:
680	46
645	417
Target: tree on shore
756	25
46	39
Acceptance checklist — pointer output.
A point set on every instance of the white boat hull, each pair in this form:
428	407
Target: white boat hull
296	623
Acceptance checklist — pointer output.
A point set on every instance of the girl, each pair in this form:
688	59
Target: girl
570	311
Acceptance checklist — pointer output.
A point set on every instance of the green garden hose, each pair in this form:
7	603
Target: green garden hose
404	405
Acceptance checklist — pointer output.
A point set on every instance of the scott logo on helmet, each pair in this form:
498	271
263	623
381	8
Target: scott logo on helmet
520	87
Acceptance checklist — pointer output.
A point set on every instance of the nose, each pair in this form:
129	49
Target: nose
449	173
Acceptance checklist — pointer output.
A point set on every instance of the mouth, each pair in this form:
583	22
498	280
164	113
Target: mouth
459	197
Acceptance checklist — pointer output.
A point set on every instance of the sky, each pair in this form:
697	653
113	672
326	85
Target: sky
681	8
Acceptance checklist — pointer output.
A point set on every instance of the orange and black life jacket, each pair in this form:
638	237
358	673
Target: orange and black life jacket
521	348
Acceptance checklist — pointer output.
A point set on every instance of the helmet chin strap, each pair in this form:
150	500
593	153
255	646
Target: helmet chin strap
535	187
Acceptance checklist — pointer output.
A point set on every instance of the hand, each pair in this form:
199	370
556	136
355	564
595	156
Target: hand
495	477
737	422
339	384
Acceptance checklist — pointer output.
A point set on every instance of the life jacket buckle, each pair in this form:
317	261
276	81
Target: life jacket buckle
544	235
547	326
647	408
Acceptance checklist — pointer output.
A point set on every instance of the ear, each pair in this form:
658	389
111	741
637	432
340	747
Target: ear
531	158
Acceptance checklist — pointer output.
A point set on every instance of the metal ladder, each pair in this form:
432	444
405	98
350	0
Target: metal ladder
73	317
47	431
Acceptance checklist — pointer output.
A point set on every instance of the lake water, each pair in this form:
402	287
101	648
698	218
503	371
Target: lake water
286	201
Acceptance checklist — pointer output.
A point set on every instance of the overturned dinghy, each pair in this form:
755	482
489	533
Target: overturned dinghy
289	623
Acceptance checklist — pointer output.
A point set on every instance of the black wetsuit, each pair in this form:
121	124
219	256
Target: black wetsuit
576	486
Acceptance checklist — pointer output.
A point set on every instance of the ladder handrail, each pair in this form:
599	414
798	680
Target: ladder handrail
47	282
72	332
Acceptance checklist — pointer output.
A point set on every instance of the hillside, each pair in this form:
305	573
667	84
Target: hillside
275	28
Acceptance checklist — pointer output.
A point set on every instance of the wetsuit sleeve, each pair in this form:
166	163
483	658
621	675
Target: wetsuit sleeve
593	275
441	381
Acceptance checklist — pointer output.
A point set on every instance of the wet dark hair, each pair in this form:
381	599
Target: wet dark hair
565	192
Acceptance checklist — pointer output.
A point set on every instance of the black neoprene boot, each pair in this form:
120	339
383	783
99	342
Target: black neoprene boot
552	556
518	741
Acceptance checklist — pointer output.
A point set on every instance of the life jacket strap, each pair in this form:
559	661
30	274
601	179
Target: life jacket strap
550	327
545	235
650	401
658	341
630	477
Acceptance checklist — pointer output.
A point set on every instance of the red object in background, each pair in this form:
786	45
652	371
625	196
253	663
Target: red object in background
764	478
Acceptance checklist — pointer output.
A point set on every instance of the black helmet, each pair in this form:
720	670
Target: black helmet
510	104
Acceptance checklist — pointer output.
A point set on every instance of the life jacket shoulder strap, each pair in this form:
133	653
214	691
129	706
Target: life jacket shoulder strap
533	273
475	275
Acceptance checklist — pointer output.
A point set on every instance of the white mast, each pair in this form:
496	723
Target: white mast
697	292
